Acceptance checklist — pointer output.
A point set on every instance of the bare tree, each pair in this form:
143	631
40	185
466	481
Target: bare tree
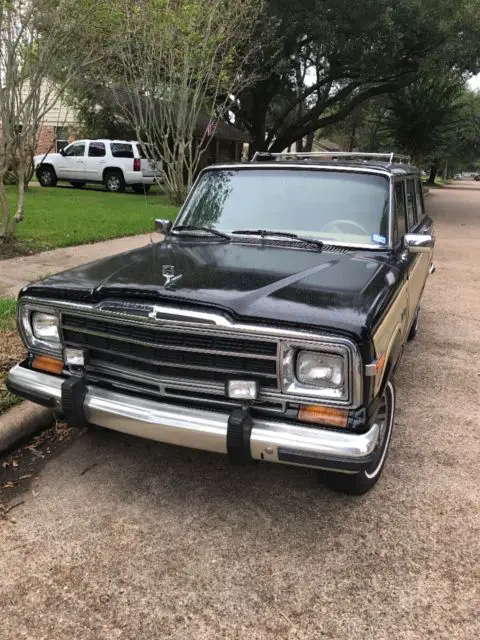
38	62
178	60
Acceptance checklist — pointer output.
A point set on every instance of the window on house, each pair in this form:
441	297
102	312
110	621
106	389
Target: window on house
411	210
61	138
96	149
121	150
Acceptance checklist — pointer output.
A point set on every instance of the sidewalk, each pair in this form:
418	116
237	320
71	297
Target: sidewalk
15	273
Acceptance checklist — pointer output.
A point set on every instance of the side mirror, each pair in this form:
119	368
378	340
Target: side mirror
163	226
62	152
419	242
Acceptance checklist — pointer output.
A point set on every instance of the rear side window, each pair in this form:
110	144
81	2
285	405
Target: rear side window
400	209
121	150
419	199
411	211
96	150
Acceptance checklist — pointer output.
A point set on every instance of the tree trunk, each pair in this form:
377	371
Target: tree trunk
309	142
21	196
6	227
353	133
433	173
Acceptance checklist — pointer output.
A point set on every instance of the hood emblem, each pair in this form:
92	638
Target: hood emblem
168	272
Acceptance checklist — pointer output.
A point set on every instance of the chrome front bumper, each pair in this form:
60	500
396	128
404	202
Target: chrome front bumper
270	440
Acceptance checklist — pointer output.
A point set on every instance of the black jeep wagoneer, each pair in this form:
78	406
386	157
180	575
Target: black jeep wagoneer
267	324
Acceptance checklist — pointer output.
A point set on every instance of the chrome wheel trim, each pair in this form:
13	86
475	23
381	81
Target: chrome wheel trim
386	427
46	177
113	183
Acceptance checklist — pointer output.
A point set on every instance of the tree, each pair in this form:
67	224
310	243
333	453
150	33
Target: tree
179	59
422	117
329	56
34	74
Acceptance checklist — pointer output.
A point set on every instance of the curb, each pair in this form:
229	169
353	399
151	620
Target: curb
21	421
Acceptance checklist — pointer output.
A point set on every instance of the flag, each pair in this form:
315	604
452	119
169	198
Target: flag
212	125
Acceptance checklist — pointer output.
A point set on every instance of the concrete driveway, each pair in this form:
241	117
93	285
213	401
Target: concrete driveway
124	538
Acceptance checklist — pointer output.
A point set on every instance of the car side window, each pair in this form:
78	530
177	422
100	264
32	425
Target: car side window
411	210
96	149
400	210
121	150
419	199
75	149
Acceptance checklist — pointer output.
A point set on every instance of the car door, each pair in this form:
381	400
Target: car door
95	161
418	264
71	164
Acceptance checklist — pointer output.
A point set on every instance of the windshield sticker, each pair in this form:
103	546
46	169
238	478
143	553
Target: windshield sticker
379	239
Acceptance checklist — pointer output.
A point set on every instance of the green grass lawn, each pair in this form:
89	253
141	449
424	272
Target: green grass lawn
11	349
64	216
7	313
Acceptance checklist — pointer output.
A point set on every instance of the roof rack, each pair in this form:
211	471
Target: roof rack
331	155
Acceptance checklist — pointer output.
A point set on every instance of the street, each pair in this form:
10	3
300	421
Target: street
125	538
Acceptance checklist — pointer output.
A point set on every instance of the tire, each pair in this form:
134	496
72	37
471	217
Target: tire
414	328
141	188
359	483
46	176
78	185
114	182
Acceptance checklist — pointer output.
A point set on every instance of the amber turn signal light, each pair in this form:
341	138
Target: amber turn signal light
46	363
323	415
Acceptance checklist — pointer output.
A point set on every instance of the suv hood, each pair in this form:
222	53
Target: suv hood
42	157
341	291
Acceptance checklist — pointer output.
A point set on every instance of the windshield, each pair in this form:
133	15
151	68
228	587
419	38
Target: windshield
333	206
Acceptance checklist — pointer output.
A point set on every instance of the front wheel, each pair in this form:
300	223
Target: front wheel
114	182
46	176
359	483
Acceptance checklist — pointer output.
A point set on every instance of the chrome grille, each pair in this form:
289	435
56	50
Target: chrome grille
180	354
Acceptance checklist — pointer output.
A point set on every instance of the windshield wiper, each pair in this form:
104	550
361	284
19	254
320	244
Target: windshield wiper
190	227
263	233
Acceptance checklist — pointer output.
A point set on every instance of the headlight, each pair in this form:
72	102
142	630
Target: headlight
326	370
322	374
39	328
45	327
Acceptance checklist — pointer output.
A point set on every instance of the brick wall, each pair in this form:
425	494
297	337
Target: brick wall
46	140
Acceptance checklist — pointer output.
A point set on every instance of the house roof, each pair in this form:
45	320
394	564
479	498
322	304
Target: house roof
323	144
223	130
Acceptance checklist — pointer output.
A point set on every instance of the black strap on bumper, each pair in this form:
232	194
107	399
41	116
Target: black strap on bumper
74	391
239	430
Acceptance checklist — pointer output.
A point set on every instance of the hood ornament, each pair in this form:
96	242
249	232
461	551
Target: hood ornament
168	272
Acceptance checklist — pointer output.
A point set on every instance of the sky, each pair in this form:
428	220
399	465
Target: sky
475	82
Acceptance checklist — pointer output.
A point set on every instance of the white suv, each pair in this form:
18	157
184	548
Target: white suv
115	163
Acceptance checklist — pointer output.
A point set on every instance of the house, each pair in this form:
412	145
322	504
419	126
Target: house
226	141
61	126
322	144
318	144
58	127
